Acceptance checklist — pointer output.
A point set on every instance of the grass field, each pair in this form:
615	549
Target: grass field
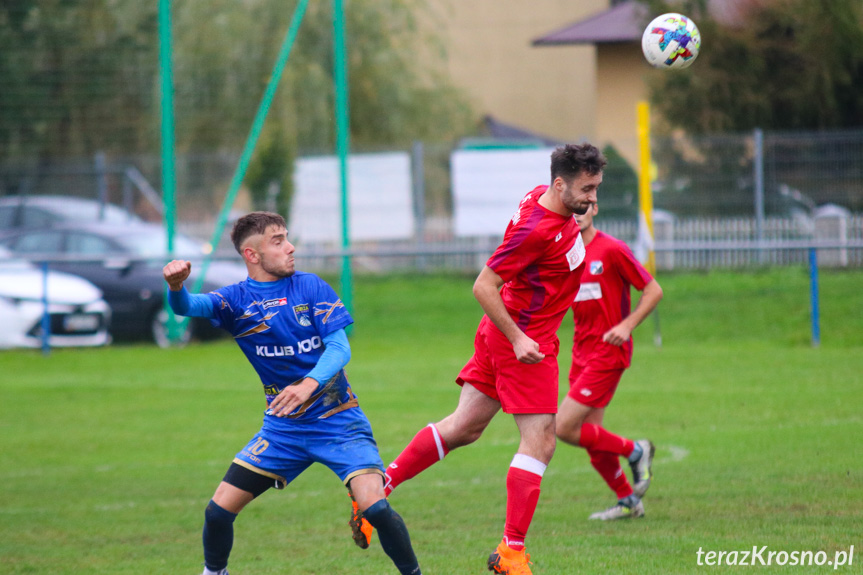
108	456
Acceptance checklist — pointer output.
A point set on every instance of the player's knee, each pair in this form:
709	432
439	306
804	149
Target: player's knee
567	432
458	432
380	514
214	515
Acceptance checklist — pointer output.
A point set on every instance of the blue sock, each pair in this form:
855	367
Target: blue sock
637	451
394	537
218	536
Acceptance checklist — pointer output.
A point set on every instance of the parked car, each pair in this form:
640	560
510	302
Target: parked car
47	211
125	262
78	314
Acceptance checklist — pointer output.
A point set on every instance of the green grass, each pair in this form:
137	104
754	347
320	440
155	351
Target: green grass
108	456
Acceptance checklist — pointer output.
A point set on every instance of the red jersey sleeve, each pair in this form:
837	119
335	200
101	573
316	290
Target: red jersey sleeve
630	269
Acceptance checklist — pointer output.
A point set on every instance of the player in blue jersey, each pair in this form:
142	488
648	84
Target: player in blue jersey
291	326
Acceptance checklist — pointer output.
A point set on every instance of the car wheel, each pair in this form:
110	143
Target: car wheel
159	328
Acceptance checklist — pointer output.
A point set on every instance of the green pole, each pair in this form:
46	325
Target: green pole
343	143
254	134
168	169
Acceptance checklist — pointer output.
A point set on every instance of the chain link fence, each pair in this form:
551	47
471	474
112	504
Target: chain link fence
720	201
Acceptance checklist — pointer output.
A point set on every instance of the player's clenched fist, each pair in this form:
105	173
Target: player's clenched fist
176	272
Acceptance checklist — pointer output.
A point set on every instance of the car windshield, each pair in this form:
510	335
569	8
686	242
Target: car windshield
149	245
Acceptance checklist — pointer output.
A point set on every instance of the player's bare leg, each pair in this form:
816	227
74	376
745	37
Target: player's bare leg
431	444
368	492
523	486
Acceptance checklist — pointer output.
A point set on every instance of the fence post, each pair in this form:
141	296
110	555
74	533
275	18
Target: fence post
419	189
101	182
813	297
759	189
46	315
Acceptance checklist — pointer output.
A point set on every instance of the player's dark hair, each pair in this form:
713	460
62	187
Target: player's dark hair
571	160
254	223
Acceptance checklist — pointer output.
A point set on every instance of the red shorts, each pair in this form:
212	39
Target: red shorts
592	385
519	387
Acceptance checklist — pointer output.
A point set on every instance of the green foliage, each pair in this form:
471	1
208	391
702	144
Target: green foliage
83	76
108	456
270	176
780	65
619	192
71	76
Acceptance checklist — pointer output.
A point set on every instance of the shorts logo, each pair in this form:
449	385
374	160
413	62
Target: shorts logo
301	312
595	268
586	392
274	302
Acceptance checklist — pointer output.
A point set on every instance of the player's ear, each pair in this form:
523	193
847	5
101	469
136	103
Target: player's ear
250	255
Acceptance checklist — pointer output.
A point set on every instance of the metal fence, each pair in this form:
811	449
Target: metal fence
721	201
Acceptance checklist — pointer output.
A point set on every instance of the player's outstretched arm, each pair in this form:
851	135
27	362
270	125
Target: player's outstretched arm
486	290
651	295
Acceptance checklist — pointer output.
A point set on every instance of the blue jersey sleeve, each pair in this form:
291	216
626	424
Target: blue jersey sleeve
329	313
190	305
335	357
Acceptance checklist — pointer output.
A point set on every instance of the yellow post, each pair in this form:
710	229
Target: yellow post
645	193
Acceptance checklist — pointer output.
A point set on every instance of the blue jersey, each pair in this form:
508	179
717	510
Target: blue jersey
280	327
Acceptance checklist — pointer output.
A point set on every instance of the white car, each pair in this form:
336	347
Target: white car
78	314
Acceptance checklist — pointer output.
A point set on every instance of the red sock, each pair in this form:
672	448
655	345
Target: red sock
597	438
425	449
608	466
522	495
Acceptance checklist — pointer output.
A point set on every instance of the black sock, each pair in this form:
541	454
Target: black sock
394	537
218	536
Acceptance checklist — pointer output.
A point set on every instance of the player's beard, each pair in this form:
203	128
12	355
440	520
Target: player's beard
279	271
570	203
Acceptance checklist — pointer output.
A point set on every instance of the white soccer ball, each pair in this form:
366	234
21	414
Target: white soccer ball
671	41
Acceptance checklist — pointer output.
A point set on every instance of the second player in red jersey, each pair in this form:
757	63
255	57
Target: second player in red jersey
602	350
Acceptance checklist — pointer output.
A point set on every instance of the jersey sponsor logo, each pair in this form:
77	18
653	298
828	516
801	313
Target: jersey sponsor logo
589	291
275	302
303	346
576	254
301	312
274	350
596	268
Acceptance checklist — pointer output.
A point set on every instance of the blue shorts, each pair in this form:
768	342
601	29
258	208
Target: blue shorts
343	442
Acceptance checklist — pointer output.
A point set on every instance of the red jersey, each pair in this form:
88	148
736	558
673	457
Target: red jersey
603	301
540	261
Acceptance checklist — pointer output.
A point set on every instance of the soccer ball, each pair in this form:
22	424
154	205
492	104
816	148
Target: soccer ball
671	41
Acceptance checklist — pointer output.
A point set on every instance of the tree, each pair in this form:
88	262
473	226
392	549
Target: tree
781	65
81	76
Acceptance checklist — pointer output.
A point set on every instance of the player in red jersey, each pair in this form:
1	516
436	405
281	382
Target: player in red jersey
602	350
525	290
